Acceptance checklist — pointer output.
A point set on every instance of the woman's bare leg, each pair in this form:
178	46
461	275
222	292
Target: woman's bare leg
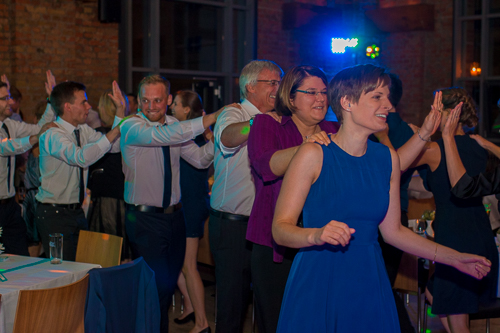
194	284
443	318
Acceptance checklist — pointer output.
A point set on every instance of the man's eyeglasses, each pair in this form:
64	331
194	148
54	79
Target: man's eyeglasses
271	82
5	98
313	92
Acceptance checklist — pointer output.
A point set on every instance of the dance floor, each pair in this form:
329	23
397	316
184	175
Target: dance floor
434	326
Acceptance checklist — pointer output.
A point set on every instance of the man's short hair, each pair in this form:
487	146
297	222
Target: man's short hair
3	84
15	93
63	93
154	79
354	81
251	71
396	90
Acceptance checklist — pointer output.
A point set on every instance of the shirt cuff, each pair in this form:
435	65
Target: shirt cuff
116	121
104	143
197	126
25	143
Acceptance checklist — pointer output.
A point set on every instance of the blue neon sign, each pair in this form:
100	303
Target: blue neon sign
339	44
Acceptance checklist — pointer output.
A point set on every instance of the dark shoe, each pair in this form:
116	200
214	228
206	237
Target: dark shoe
185	320
206	330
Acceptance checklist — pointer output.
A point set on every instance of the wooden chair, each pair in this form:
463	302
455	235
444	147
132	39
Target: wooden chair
407	282
99	248
56	310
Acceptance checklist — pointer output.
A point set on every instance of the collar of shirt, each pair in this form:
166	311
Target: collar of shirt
250	108
67	126
155	123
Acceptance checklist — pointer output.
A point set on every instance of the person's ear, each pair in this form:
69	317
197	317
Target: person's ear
169	101
250	88
346	105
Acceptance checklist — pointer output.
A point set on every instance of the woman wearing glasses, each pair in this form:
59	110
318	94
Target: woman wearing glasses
347	191
302	103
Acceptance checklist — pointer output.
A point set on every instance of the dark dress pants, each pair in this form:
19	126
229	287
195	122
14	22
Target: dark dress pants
14	229
269	282
232	254
392	257
161	240
69	222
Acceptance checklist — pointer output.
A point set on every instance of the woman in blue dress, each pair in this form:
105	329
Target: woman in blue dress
348	189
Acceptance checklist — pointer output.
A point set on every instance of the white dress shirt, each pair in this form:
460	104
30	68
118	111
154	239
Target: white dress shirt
20	132
141	145
233	190
61	159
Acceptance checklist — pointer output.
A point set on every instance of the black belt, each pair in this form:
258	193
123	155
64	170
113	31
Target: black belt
73	206
153	209
228	216
6	201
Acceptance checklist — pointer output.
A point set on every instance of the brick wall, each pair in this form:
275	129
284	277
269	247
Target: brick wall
64	36
423	59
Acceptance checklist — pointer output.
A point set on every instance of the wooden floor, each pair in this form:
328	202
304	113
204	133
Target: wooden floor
434	324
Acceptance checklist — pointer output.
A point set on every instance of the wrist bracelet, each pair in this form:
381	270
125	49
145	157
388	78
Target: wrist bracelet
418	132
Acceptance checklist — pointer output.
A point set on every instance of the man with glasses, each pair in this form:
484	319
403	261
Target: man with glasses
15	138
233	192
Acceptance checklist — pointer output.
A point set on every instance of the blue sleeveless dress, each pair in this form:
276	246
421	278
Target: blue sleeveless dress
344	289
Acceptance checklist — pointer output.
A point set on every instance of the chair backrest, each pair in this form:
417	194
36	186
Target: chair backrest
99	248
122	299
407	278
56	310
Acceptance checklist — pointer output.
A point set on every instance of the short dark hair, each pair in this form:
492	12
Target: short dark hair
3	84
351	82
192	100
63	93
292	80
15	93
396	90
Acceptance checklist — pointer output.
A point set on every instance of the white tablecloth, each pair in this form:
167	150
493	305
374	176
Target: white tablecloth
36	276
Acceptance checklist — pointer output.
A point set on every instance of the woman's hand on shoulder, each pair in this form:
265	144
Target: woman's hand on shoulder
335	233
274	115
320	137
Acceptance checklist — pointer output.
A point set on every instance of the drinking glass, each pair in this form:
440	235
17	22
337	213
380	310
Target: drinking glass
56	248
420	226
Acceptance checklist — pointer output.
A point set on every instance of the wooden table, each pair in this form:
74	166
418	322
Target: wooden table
32	273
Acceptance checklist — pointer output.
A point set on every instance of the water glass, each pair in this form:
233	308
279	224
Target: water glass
420	226
56	248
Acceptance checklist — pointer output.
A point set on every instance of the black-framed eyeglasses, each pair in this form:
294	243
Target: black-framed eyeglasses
313	92
271	82
5	98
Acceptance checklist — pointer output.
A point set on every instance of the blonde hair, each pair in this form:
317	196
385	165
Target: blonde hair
106	109
154	79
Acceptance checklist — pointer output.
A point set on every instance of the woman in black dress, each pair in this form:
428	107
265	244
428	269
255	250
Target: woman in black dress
461	224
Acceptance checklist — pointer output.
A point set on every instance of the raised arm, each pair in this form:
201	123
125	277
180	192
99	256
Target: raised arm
18	146
454	164
403	238
54	143
411	149
303	171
